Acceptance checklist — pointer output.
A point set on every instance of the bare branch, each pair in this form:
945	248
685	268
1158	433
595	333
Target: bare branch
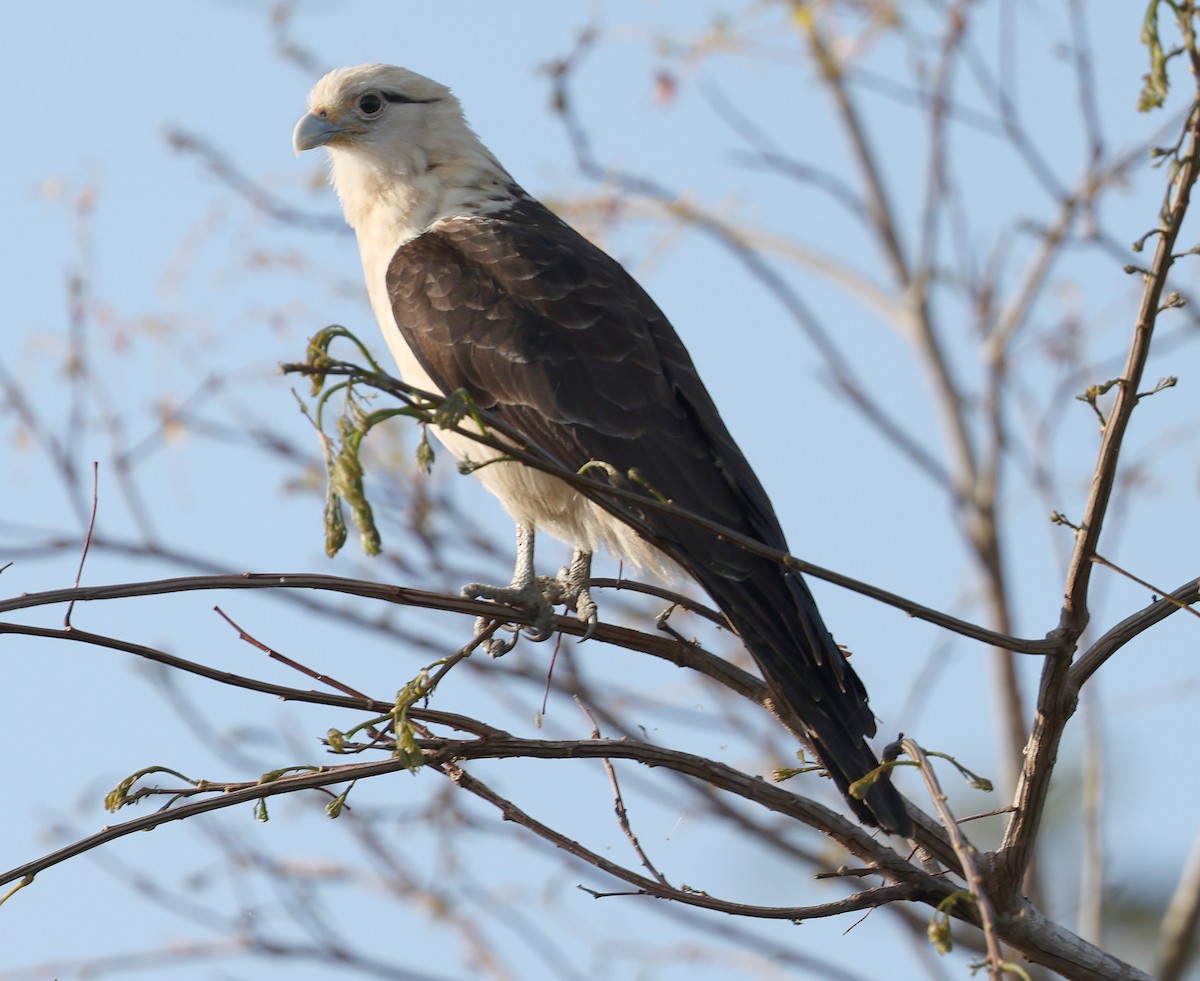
452	720
1056	697
225	171
321	777
1122	633
676	652
966	856
620	809
87	538
866	899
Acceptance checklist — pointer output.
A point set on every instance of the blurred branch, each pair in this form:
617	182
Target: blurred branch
286	44
173	954
16	398
742	247
221	167
1177	937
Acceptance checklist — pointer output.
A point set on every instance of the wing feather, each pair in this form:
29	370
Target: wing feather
548	332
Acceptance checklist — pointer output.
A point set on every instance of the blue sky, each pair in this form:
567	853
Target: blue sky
190	280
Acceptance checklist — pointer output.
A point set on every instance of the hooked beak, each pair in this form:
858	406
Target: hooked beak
313	131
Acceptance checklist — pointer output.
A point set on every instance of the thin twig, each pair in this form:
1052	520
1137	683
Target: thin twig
87	538
284	659
452	720
966	856
619	805
1185	607
866	899
675	599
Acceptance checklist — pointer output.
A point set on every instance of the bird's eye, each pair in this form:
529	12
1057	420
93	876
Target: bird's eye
370	104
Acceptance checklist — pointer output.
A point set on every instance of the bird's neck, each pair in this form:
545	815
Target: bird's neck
389	202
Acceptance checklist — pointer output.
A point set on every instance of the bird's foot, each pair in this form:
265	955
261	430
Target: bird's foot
534	598
570	588
538	598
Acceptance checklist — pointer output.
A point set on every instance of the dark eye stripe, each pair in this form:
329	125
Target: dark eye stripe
401	98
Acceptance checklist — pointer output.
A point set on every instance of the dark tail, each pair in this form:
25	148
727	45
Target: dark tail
777	618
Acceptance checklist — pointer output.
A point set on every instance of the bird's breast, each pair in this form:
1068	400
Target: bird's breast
529	495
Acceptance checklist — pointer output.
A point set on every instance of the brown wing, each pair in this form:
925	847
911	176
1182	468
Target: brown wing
547	331
552	335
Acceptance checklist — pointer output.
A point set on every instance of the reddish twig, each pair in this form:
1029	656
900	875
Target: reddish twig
284	659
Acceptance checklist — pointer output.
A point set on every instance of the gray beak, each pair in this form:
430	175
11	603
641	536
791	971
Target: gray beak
313	131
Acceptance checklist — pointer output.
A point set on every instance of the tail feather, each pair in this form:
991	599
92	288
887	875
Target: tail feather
776	616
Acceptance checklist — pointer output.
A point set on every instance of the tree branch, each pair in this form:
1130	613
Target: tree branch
516	447
1122	633
323	777
682	654
864	899
966	856
1056	696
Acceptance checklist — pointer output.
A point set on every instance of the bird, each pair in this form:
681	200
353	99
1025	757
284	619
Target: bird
480	288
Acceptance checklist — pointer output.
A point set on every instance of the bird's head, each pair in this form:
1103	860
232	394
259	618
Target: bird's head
398	140
376	109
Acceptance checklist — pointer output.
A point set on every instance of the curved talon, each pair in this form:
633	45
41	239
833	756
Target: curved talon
587	612
573	582
542	627
494	646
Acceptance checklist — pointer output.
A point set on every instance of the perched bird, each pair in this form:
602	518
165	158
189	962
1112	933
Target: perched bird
477	286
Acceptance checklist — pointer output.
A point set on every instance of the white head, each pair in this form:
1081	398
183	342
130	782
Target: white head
402	154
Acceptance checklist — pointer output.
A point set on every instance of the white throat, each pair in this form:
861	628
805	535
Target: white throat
389	198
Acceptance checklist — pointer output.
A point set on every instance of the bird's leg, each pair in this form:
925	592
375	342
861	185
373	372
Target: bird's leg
526	592
571	588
